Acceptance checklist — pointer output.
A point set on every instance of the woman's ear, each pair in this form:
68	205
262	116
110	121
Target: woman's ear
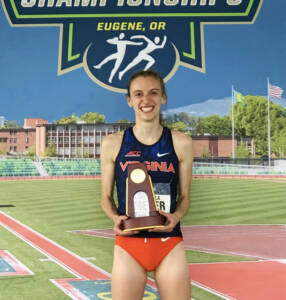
164	99
129	101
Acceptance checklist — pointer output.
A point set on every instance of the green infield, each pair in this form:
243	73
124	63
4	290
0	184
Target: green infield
54	208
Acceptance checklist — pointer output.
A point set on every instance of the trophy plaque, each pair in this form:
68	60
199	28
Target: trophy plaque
141	207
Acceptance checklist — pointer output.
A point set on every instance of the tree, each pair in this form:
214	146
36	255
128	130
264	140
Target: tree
214	125
241	151
68	120
123	121
180	126
12	124
183	117
93	117
89	118
278	143
31	152
252	120
51	151
205	153
3	151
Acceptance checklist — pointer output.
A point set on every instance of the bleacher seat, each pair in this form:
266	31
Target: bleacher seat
17	167
72	167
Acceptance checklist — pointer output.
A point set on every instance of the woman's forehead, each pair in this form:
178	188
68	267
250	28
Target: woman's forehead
145	83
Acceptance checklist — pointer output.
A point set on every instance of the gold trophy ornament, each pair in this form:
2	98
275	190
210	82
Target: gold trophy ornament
141	206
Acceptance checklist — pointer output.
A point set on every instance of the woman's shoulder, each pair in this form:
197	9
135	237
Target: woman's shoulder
182	143
180	137
113	139
111	143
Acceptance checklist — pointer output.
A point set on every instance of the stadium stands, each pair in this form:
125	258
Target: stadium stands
231	169
72	167
17	167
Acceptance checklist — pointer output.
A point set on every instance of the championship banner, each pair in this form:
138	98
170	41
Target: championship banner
113	39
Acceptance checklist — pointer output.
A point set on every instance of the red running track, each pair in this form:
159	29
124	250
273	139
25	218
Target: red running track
261	280
63	257
73	263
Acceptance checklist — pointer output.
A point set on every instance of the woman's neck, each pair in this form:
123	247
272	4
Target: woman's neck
148	133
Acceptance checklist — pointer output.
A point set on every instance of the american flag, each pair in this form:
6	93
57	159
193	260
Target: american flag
275	91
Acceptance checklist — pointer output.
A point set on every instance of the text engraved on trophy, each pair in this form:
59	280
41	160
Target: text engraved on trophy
141	205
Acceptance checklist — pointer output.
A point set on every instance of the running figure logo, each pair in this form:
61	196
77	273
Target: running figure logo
117	56
143	55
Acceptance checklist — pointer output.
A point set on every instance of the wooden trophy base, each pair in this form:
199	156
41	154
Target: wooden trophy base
143	223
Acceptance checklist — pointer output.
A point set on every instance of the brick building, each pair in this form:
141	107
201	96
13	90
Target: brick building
18	141
33	122
84	140
74	140
218	146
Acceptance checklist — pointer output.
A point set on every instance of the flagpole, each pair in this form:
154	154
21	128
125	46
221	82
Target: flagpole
232	113
269	137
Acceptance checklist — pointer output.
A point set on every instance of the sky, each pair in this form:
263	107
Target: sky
241	55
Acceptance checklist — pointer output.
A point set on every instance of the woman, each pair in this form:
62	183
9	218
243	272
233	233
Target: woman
160	250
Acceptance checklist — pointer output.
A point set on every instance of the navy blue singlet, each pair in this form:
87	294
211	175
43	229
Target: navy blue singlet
162	166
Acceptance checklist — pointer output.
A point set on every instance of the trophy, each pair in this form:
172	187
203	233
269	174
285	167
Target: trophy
141	207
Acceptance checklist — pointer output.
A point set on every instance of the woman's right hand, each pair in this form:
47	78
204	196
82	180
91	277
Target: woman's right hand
118	220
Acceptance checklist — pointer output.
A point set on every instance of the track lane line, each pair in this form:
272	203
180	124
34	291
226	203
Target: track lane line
63	257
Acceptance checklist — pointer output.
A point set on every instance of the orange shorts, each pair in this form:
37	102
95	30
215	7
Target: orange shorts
148	252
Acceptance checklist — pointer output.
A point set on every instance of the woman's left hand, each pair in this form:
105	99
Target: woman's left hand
171	221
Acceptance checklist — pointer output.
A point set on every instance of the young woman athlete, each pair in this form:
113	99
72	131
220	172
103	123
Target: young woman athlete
168	156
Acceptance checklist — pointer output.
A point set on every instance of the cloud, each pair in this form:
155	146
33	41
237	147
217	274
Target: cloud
211	107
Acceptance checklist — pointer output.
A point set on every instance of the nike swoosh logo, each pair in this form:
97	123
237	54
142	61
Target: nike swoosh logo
162	154
164	239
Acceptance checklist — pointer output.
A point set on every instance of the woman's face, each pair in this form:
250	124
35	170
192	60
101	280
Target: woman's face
146	97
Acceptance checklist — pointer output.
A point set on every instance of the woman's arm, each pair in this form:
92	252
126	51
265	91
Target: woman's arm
109	150
183	148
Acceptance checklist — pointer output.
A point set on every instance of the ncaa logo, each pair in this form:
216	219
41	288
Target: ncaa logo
113	39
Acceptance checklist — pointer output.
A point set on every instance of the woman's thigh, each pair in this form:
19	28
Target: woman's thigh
173	275
128	277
